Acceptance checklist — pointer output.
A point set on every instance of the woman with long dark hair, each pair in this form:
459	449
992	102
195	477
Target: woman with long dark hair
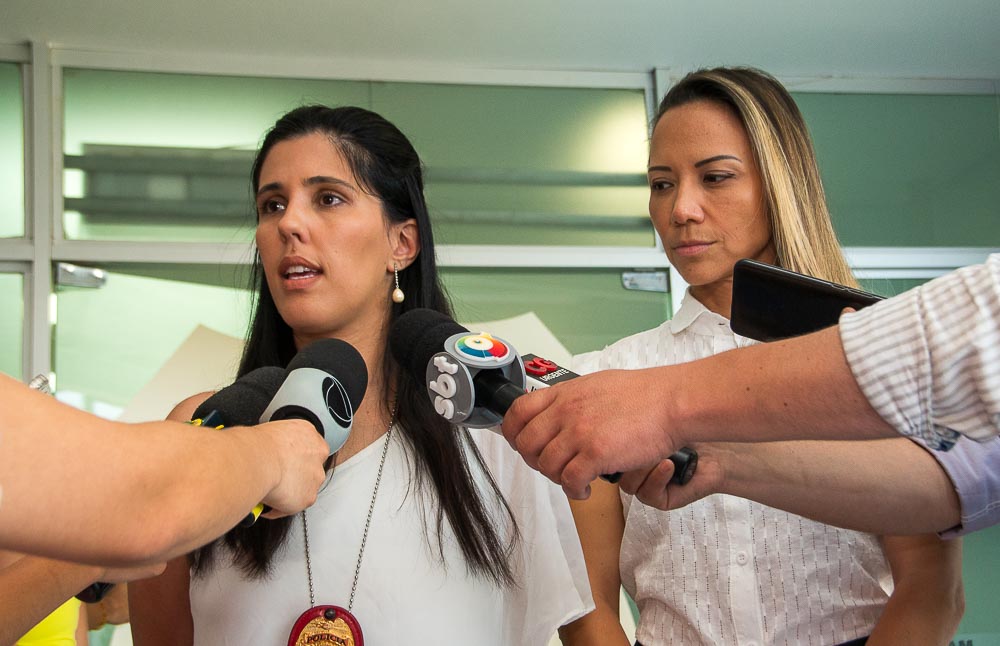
425	533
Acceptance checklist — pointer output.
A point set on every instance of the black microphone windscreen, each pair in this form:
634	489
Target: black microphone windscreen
339	359
419	334
243	402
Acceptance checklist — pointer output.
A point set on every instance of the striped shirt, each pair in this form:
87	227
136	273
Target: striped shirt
928	360
725	570
974	470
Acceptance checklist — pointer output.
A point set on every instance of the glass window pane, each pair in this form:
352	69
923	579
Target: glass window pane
586	309
980	563
889	287
167	157
528	165
11	152
110	341
11	324
909	170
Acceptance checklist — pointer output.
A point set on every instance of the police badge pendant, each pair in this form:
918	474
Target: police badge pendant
326	626
333	625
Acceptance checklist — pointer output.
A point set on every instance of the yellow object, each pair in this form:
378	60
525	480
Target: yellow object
58	629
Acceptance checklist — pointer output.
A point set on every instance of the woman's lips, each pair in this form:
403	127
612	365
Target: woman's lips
692	248
298	273
301	281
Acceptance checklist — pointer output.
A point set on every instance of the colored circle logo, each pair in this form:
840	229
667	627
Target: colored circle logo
482	346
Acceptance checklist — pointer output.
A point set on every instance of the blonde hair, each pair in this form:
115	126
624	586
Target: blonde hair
793	191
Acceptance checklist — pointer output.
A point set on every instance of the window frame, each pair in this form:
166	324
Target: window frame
44	243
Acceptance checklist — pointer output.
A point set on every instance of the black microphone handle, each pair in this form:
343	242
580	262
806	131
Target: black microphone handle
685	462
95	592
294	411
496	393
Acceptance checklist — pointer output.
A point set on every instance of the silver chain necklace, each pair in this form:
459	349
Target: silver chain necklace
364	535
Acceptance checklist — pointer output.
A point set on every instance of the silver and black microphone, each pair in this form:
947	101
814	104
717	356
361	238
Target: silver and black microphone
473	379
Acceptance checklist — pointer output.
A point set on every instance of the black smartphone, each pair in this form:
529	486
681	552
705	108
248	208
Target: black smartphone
771	303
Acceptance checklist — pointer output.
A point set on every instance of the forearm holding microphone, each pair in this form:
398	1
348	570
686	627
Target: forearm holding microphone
474	379
164	488
324	384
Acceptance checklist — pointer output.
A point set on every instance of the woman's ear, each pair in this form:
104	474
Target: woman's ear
404	241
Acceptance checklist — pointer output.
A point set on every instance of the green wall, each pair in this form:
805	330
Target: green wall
909	170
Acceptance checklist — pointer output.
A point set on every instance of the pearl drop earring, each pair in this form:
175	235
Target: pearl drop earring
397	294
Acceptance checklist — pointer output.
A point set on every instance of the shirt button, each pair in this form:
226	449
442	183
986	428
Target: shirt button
742	558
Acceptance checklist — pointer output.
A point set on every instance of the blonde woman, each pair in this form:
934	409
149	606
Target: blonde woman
732	175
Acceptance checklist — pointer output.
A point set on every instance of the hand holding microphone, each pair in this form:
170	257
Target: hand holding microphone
324	384
474	379
241	404
299	454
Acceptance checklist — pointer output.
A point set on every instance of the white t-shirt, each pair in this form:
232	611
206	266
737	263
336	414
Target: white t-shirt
725	570
404	594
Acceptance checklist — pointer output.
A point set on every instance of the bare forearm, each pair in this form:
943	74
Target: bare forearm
602	627
910	617
163	487
878	487
160	608
800	388
628	420
600	523
33	587
202	484
928	601
207	483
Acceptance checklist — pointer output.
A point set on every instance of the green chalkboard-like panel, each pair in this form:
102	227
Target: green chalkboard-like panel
909	170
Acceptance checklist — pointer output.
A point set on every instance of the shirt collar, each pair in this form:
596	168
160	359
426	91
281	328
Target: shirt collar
691	311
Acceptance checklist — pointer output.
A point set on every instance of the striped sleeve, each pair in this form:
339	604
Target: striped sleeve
974	470
928	360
